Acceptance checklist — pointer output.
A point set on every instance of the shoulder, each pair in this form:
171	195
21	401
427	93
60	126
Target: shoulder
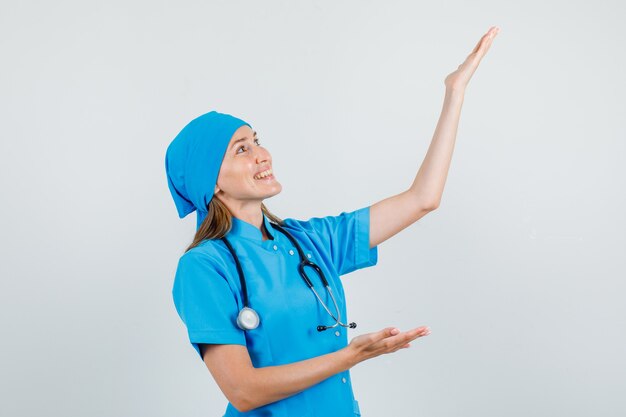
209	254
324	224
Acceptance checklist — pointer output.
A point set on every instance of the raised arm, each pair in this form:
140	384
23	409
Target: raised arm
391	215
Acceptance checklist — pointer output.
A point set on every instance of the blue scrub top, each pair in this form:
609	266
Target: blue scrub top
208	297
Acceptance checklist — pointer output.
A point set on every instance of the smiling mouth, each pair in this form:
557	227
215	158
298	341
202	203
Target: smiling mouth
267	178
265	175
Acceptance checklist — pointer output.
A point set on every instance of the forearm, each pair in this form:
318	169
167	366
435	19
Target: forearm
431	176
273	383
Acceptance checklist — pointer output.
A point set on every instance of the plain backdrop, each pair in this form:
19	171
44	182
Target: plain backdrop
519	273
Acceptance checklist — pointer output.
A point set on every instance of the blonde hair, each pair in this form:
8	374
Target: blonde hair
219	220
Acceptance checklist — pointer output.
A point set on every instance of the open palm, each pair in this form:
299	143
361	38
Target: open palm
459	79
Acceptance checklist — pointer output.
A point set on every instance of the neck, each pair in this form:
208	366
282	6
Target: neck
249	212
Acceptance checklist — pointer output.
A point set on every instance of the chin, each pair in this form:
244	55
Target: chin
275	192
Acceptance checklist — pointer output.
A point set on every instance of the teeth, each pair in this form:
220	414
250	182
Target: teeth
263	174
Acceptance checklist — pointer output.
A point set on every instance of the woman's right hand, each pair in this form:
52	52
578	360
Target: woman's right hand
370	345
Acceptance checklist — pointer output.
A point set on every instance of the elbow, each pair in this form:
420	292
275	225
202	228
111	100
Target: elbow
432	205
243	398
425	202
245	404
242	407
241	404
241	401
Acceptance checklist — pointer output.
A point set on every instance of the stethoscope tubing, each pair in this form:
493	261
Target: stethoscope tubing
248	318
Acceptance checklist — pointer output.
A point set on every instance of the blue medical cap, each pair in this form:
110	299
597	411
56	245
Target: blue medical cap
194	158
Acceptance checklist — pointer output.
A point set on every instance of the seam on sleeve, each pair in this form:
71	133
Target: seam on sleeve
364	256
217	336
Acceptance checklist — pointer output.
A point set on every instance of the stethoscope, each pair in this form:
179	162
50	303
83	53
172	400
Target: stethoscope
248	319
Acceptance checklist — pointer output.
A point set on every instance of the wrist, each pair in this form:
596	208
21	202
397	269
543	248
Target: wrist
346	358
455	93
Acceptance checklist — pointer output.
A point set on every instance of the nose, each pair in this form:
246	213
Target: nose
262	155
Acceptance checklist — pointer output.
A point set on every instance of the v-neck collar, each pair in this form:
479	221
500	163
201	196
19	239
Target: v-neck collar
241	228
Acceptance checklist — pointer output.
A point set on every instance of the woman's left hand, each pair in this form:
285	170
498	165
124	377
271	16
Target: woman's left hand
459	79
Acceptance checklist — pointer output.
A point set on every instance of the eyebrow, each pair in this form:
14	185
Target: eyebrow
242	139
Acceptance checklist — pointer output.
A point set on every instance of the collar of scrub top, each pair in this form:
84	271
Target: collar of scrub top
241	228
193	160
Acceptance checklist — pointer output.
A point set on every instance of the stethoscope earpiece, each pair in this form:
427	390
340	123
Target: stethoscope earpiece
322	328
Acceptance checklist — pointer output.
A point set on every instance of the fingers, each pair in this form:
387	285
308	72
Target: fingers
485	41
383	334
488	39
389	331
397	340
480	42
414	334
403	342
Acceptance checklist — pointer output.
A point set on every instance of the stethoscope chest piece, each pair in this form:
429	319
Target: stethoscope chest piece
247	319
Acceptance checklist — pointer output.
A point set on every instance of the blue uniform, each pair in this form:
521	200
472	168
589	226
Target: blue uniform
208	297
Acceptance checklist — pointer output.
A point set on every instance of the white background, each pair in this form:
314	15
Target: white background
519	273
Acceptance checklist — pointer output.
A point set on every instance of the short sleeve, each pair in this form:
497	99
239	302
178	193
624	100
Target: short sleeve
205	302
346	237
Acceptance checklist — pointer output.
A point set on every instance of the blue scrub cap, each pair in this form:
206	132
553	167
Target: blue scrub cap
194	158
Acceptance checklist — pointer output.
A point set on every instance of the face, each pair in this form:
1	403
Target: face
238	180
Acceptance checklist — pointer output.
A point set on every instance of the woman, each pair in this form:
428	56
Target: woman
270	331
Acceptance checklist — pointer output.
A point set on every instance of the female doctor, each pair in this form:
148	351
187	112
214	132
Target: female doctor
261	297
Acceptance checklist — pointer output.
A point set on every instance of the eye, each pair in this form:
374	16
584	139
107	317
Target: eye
256	140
